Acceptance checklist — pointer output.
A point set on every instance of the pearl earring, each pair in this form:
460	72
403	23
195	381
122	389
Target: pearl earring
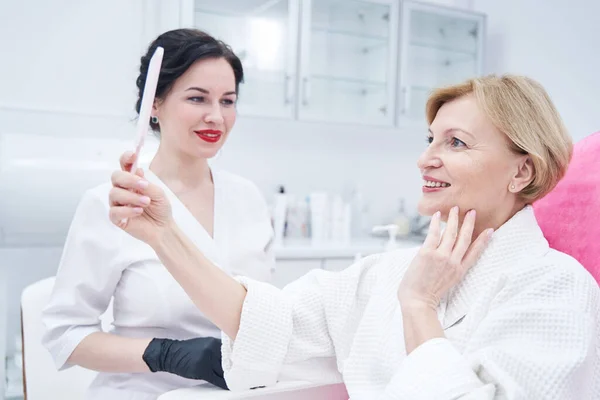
512	187
154	120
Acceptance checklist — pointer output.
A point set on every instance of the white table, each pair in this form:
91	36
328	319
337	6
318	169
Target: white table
281	391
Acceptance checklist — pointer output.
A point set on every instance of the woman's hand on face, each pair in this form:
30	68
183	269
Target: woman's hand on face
137	206
441	264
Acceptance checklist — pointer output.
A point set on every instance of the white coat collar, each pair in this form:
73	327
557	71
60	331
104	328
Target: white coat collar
189	224
516	242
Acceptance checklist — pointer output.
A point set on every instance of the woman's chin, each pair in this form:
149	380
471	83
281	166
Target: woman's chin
425	208
428	208
205	152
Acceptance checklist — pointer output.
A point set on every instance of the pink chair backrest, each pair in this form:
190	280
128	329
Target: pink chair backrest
570	215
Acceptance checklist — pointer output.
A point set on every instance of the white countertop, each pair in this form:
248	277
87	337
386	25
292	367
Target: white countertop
305	249
282	390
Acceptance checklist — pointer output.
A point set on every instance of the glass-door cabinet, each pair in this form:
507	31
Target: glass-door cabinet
371	62
264	34
440	46
348	53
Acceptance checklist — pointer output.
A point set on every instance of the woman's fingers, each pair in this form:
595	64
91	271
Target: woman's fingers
465	237
433	235
123	197
138	186
450	233
119	215
476	249
128	181
126	160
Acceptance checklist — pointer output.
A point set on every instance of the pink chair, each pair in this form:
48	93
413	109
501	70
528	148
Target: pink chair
570	215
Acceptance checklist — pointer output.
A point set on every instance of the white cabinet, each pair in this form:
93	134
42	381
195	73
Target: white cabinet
348	61
264	34
440	46
353	61
313	60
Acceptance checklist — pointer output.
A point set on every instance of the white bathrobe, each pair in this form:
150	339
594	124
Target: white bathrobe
523	324
100	262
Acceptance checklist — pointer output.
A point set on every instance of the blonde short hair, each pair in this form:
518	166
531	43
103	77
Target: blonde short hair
521	109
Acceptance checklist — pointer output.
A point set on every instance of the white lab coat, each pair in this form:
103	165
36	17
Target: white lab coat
100	262
523	324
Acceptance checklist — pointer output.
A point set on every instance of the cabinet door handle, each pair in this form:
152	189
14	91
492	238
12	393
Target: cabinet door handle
305	90
404	100
286	89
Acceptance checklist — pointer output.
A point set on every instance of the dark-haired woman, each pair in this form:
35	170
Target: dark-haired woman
156	326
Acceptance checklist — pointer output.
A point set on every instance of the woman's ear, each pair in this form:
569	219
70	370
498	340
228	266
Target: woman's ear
523	176
155	107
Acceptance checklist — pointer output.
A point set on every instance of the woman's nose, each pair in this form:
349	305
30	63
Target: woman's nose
429	158
214	115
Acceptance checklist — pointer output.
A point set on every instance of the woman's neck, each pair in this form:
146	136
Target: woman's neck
496	220
180	172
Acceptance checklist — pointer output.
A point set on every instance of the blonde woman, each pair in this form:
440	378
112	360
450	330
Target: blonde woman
483	310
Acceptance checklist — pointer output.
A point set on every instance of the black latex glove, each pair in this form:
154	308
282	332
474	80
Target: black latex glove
198	358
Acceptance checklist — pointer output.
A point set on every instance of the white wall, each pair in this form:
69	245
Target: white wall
556	42
68	55
68	69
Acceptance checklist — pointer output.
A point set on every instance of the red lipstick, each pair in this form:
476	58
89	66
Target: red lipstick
209	135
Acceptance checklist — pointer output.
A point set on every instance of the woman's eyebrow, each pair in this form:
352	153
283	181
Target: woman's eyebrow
199	89
455	130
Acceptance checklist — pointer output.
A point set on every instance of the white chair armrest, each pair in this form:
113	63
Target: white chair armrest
281	391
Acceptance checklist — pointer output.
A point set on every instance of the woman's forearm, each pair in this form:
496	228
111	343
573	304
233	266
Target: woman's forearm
106	352
420	325
216	294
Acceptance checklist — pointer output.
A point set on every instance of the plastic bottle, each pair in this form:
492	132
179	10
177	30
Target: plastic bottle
392	230
280	215
402	221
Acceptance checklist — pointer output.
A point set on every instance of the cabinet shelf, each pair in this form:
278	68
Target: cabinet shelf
351	34
200	12
240	8
364	85
446	49
433	54
349	42
357	81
